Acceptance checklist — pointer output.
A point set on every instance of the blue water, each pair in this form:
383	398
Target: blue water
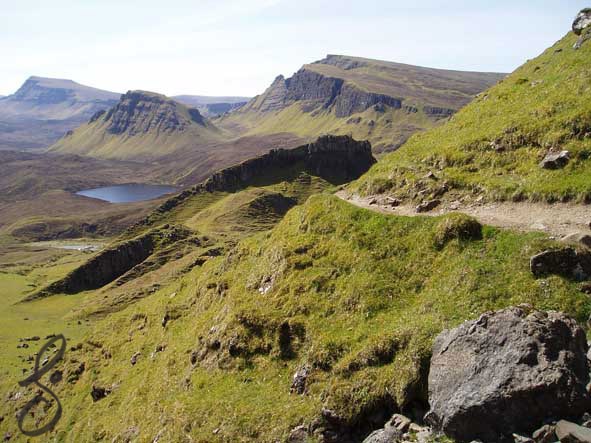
128	193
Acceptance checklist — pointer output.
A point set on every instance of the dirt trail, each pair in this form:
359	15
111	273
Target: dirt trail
558	220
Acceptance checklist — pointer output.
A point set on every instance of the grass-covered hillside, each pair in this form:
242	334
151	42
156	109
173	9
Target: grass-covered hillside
374	100
493	147
354	296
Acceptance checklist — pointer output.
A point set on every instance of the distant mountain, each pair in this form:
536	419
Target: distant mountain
384	102
44	109
212	106
141	126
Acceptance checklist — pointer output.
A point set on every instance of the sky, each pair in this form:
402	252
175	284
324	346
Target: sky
237	47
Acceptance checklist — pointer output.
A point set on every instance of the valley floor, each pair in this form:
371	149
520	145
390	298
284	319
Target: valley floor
558	219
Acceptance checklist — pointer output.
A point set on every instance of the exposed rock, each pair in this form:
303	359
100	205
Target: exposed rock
298	434
581	27
555	160
521	439
506	373
546	434
298	385
400	422
134	358
386	435
393	202
567	262
578	238
582	21
568	432
427	206
99	393
140	112
112	263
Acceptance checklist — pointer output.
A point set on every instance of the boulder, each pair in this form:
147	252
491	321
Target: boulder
546	434
388	434
507	372
427	206
582	21
555	160
568	432
578	238
298	384
567	262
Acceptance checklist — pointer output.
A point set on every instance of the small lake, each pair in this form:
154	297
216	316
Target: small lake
128	193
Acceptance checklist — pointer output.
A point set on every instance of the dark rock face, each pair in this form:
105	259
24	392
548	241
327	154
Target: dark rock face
111	263
555	160
140	112
427	206
507	372
567	262
320	91
98	393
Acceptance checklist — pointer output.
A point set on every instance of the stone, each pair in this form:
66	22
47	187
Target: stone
506	373
427	206
386	435
568	432
555	160
299	434
546	434
521	439
578	238
393	202
582	21
298	385
134	358
97	393
566	262
400	422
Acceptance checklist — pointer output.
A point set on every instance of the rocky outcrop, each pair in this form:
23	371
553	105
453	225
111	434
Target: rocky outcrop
140	112
352	100
568	432
507	372
316	90
581	26
337	159
112	263
555	160
566	262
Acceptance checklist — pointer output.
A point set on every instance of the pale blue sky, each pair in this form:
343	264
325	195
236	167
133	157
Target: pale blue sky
237	47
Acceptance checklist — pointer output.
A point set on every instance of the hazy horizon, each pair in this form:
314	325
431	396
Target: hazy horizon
236	48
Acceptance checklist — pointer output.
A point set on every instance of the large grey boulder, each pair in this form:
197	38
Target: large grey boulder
555	160
581	27
582	21
507	372
566	262
568	432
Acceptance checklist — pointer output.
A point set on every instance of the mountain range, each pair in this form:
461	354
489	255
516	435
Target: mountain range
326	290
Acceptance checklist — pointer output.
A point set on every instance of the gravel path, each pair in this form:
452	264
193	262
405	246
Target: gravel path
558	220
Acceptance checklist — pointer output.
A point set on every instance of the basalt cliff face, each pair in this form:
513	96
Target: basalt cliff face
380	101
141	126
337	159
140	112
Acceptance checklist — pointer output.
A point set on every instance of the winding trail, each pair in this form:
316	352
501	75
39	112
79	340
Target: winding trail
557	220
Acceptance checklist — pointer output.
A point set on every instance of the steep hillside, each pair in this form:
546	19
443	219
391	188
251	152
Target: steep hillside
212	106
381	101
527	138
142	126
44	109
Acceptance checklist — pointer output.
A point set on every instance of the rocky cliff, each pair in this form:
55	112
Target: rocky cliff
338	159
112	263
141	112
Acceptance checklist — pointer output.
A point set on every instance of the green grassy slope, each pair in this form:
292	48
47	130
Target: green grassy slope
494	145
356	295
